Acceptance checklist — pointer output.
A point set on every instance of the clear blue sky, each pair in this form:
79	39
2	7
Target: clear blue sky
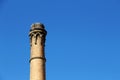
83	41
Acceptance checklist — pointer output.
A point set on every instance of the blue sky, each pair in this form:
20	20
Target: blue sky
83	41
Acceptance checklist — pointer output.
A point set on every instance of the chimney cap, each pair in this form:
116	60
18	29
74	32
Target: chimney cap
37	26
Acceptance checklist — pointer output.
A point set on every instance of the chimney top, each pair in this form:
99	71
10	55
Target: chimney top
37	26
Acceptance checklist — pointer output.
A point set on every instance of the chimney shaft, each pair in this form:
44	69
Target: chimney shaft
37	58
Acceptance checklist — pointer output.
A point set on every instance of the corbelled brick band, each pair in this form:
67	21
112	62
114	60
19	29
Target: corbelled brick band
43	58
